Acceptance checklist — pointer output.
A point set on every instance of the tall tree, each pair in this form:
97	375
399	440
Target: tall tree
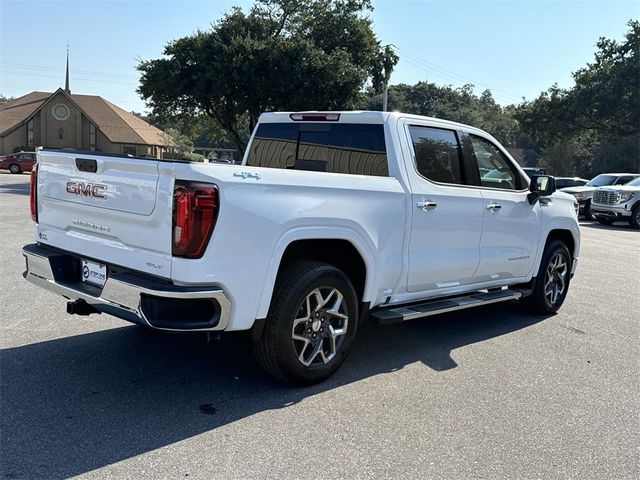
601	111
281	55
449	103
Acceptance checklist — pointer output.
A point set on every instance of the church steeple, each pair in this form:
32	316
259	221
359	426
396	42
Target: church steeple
66	78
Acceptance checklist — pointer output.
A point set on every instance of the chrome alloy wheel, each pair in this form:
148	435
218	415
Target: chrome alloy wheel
319	328
555	279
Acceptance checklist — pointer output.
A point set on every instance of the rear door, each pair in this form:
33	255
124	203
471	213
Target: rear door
447	213
112	209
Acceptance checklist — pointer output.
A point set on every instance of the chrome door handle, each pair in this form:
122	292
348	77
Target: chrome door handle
426	205
494	207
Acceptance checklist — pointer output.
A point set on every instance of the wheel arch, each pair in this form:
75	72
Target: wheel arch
342	248
566	236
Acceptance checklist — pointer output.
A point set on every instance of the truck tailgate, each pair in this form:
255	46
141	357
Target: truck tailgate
108	208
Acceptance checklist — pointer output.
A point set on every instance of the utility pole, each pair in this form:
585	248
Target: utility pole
385	95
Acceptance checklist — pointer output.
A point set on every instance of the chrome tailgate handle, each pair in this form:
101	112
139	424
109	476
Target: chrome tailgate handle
426	205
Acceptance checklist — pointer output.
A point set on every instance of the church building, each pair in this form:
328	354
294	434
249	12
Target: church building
82	122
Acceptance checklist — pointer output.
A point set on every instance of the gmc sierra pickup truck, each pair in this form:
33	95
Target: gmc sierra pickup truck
333	218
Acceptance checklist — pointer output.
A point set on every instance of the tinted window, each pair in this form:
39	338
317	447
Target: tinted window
634	183
496	170
601	180
332	147
568	182
623	180
438	155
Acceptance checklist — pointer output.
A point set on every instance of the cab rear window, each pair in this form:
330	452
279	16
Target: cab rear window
357	149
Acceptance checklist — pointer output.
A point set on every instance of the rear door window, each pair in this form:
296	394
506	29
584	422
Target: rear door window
357	149
437	154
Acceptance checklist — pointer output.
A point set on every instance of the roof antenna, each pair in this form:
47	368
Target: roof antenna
66	78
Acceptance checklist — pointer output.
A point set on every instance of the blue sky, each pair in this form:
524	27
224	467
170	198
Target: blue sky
515	48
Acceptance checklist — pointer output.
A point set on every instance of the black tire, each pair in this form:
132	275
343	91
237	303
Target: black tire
539	302
14	168
605	220
278	353
587	211
634	221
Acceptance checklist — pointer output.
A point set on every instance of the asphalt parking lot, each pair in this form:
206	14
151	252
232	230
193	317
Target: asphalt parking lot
486	393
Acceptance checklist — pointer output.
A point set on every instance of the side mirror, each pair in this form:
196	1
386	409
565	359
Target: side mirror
541	186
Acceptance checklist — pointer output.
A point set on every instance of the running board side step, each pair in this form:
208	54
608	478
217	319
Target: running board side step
434	307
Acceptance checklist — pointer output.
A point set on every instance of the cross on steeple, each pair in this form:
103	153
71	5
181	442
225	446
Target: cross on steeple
66	78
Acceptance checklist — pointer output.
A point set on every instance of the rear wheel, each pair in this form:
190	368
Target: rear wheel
14	168
552	283
634	221
311	324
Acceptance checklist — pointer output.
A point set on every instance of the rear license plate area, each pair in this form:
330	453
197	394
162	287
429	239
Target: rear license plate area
93	273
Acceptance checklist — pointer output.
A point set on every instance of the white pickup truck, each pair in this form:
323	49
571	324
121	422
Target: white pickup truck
332	218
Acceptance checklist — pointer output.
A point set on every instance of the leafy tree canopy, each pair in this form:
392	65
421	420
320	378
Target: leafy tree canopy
281	55
605	98
449	103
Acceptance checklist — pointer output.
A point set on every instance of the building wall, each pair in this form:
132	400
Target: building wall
104	145
86	134
37	130
61	133
72	132
16	139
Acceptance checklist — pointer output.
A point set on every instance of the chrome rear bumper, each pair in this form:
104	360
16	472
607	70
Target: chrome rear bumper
127	295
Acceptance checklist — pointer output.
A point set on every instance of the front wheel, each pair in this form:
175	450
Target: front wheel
634	221
311	324
552	283
14	168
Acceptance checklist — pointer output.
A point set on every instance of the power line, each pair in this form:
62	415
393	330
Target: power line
24	66
83	79
450	75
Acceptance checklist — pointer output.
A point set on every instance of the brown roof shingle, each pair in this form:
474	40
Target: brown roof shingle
16	111
118	125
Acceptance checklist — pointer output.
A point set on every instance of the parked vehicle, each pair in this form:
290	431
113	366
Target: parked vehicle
331	219
563	182
531	171
617	203
18	162
583	194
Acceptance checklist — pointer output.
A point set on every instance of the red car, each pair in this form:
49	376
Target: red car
18	162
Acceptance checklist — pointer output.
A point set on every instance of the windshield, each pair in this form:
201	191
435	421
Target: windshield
602	180
633	183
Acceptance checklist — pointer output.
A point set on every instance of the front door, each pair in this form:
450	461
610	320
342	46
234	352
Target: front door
511	224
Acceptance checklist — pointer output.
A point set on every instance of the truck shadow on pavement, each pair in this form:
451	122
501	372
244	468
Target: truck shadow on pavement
15	188
75	404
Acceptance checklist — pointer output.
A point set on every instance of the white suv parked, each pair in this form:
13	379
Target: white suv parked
617	203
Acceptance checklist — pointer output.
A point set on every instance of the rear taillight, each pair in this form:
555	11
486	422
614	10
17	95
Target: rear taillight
195	208
33	194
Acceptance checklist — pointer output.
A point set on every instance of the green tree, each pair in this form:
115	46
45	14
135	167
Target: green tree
449	103
599	116
281	55
178	143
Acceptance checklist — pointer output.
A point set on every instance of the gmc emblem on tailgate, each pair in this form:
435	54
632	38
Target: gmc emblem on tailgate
87	189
